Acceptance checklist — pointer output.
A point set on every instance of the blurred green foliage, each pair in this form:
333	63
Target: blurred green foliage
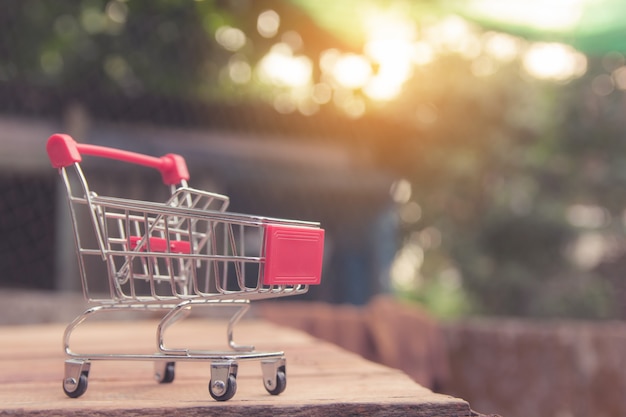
521	181
524	179
117	47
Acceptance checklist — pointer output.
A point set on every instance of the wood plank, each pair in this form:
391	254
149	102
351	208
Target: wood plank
322	378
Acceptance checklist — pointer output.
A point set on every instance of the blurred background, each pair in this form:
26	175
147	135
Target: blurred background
466	156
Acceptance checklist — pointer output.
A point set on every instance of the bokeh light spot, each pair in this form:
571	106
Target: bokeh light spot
293	39
92	20
410	212
51	62
239	70
117	11
268	23
422	53
401	191
231	39
612	61
554	61
352	71
619	76
322	93
602	85
284	103
483	66
501	46
280	67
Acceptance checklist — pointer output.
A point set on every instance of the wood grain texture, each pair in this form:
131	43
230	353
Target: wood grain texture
323	380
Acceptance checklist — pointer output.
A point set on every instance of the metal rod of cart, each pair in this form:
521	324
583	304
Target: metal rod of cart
177	255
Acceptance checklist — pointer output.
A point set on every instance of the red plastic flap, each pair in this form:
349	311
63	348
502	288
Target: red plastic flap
293	255
158	244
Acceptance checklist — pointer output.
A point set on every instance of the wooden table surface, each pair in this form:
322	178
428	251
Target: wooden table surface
323	380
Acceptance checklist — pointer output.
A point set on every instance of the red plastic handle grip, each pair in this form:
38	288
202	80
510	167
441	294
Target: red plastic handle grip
64	151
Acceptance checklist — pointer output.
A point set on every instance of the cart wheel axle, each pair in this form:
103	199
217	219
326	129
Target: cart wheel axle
223	390
223	383
76	375
73	388
274	375
279	386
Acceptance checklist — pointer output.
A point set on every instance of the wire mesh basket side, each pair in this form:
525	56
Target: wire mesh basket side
157	255
186	248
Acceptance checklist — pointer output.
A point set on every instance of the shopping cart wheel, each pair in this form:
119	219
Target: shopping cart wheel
279	385
223	390
164	372
76	375
274	375
75	388
223	383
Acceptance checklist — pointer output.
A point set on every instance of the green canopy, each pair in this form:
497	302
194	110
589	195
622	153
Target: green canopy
594	27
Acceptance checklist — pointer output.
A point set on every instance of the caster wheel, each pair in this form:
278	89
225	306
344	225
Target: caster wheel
73	388
223	390
165	372
281	383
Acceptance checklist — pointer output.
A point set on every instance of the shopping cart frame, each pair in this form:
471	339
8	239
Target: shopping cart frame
173	250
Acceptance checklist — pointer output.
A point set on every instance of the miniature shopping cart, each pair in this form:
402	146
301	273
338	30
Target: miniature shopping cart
173	256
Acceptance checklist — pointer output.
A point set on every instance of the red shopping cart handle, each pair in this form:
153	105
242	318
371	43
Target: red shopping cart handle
64	151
